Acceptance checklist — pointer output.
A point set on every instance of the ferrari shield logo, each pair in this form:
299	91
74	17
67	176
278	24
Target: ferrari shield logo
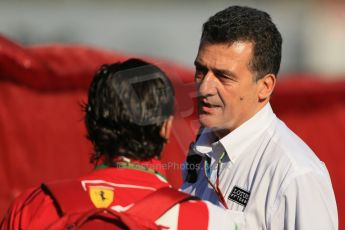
101	196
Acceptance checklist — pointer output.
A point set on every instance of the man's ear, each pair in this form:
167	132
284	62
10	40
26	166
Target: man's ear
266	86
166	128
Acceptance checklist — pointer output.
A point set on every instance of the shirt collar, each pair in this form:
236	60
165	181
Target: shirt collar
236	142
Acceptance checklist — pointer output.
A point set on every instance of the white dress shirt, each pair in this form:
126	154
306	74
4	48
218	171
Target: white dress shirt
269	177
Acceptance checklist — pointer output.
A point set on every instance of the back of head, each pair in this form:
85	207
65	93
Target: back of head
238	23
127	105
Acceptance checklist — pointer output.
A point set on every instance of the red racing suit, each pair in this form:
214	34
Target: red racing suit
34	209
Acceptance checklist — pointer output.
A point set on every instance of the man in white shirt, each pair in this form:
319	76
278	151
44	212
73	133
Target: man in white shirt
246	159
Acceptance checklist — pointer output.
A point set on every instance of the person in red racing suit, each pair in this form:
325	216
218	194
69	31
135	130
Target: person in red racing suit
128	117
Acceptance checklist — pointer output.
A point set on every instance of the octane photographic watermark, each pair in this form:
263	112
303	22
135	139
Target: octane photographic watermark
174	166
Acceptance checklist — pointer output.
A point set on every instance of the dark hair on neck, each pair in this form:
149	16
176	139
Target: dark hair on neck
127	105
238	23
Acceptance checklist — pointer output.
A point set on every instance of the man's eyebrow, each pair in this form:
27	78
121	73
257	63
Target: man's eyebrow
224	72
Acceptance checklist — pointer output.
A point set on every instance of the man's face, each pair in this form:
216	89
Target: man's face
227	90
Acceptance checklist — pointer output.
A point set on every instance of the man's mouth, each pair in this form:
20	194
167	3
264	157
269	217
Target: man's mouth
206	107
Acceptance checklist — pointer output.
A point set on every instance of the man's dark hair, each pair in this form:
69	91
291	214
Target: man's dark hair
127	105
238	23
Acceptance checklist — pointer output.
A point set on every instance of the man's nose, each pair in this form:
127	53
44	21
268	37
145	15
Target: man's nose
208	85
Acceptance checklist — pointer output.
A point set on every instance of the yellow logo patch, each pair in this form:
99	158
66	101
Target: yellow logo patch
101	196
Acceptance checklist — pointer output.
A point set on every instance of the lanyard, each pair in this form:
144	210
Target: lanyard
130	165
216	186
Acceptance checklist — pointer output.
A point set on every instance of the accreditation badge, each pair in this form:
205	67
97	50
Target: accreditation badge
101	196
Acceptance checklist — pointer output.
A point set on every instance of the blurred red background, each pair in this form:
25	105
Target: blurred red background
42	135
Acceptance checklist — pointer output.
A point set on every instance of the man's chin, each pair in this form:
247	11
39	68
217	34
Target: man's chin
207	121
